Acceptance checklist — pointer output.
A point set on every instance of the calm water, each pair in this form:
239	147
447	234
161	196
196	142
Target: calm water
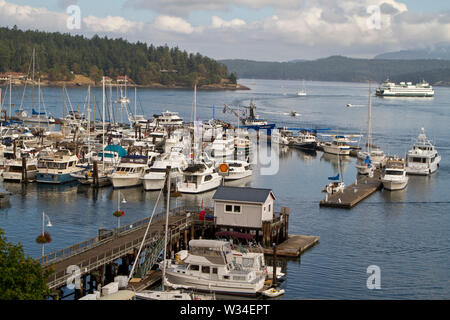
405	233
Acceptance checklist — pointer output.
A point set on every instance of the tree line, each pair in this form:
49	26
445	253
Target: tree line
338	68
61	56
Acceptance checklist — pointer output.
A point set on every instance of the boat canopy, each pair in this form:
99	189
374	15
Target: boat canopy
116	148
207	244
35	113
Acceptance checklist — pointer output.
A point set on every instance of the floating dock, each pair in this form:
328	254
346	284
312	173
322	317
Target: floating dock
294	246
354	193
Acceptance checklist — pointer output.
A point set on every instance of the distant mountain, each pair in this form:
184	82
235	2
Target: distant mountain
440	52
338	68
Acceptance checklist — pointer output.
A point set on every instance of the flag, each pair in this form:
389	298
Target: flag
334	178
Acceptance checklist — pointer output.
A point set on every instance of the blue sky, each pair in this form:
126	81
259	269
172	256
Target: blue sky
271	30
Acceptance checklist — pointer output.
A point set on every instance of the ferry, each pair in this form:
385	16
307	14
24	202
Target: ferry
57	167
404	89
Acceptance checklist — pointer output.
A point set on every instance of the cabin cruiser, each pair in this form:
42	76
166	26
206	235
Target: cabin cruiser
237	169
209	266
305	141
129	171
394	175
57	167
14	170
423	158
168	118
155	176
339	145
198	177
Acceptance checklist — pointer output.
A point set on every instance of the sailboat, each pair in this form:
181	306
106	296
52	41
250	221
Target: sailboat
302	92
337	184
371	158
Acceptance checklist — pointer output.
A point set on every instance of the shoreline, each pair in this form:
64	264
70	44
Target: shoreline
72	84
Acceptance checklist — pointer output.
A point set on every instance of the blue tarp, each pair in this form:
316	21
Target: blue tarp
367	161
334	178
35	113
116	148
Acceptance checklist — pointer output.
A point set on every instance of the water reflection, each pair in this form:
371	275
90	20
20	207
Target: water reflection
334	160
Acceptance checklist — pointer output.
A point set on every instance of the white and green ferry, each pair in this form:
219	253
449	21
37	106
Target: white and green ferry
404	89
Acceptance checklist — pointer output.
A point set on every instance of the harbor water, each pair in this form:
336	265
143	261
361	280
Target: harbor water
405	233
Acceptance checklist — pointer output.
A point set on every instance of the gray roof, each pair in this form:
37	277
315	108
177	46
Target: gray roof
242	194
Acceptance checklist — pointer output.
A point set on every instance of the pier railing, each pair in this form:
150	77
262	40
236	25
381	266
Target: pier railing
110	235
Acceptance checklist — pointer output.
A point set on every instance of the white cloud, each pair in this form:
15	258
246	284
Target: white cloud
111	24
217	22
172	24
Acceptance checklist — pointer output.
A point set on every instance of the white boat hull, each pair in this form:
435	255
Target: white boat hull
125	181
336	151
17	176
238	175
185	187
393	185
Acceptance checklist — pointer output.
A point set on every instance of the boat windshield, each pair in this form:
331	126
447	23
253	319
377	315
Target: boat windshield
394	172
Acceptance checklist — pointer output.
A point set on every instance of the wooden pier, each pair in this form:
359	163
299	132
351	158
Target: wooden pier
294	246
354	193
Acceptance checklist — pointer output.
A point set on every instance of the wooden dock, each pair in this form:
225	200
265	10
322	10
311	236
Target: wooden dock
151	278
294	246
354	193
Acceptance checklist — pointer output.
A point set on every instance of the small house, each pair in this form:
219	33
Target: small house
243	207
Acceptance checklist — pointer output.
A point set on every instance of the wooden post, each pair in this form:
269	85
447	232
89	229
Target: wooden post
102	275
95	174
24	170
185	239
14	149
274	280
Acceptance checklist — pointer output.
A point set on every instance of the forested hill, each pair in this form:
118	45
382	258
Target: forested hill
338	68
61	56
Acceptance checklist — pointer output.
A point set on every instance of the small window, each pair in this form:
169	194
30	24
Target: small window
269	207
194	267
214	270
205	269
237	209
228	208
226	277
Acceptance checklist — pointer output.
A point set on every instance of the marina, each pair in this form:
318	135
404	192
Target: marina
301	173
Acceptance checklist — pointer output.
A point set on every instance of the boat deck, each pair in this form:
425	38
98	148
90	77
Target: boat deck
354	193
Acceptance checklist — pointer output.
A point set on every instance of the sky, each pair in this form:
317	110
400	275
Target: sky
264	30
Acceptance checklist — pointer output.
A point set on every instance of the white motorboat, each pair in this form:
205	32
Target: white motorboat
129	172
273	292
423	158
14	170
209	267
339	145
237	169
199	177
168	118
302	92
394	176
155	176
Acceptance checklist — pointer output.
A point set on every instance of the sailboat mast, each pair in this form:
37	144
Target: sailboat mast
369	121
32	79
10	93
89	118
64	105
39	101
103	122
167	221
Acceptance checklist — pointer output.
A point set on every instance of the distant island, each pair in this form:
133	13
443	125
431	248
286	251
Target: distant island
79	61
339	68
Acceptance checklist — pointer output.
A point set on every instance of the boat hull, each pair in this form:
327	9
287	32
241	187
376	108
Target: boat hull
17	177
393	185
184	187
53	178
125	181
